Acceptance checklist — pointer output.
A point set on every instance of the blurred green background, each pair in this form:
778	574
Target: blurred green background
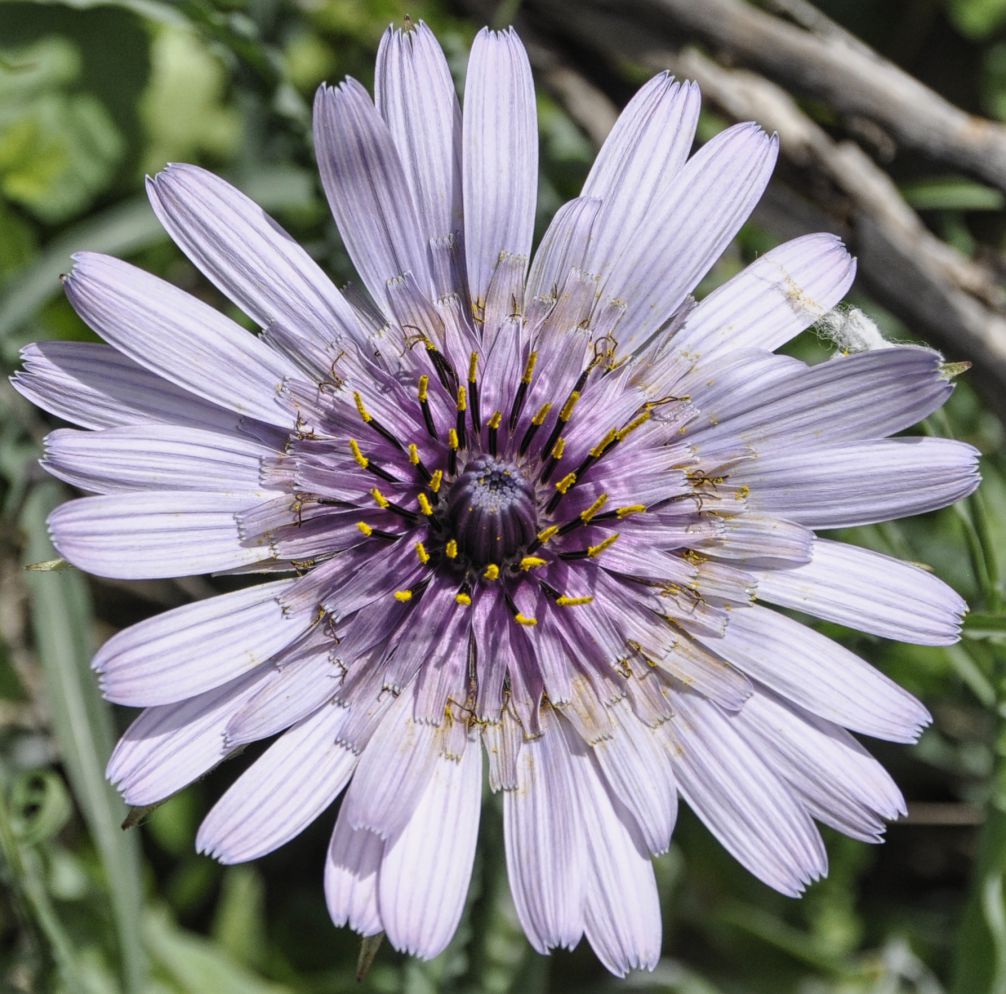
92	96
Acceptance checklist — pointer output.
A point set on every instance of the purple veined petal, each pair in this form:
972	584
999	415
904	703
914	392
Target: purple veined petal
395	767
639	775
839	486
197	647
366	188
839	782
414	91
870	592
863	396
281	793
247	255
146	536
354	857
563	248
168	747
818	674
692	223
771	301
500	156
173	334
740	799
621	905
545	847
426	870
636	168
154	457
96	386
760	541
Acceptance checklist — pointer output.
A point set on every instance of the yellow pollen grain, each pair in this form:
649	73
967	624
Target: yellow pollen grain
364	413
424	388
382	501
598	450
744	492
530	562
463	599
403	596
596	550
539	419
451	549
361	460
558	449
594	508
634	424
566	482
452	439
546	533
413	453
523	619
462	399
436	478
424	504
424	556
532	361
567	409
565	601
473	367
624	512
496	420
492	572
365	528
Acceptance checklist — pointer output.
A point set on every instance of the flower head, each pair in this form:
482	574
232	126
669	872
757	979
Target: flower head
534	509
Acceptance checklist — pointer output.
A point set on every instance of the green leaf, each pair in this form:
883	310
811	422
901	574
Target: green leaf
984	626
82	725
39	806
977	19
952	194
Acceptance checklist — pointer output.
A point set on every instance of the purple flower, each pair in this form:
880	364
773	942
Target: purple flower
535	514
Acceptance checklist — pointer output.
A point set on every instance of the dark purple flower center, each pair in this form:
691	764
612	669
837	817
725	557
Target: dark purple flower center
490	512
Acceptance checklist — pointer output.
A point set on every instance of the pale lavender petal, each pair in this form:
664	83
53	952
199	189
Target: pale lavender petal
196	647
871	592
839	486
563	248
771	301
178	337
500	156
819	675
424	876
354	857
155	457
366	188
151	535
280	794
247	255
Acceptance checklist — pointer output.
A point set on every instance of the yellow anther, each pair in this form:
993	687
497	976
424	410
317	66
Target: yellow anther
424	504
594	508
463	599
462	399
496	420
532	361
598	450
361	460
566	482
558	449
567	409
403	596
634	424
473	367
452	439
413	453
523	619
424	556
451	549
530	562
492	572
364	413
365	528
565	601
424	388
436	478
624	512
546	533
596	550
539	418
382	501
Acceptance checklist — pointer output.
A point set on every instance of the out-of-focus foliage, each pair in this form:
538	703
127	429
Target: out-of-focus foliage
95	94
